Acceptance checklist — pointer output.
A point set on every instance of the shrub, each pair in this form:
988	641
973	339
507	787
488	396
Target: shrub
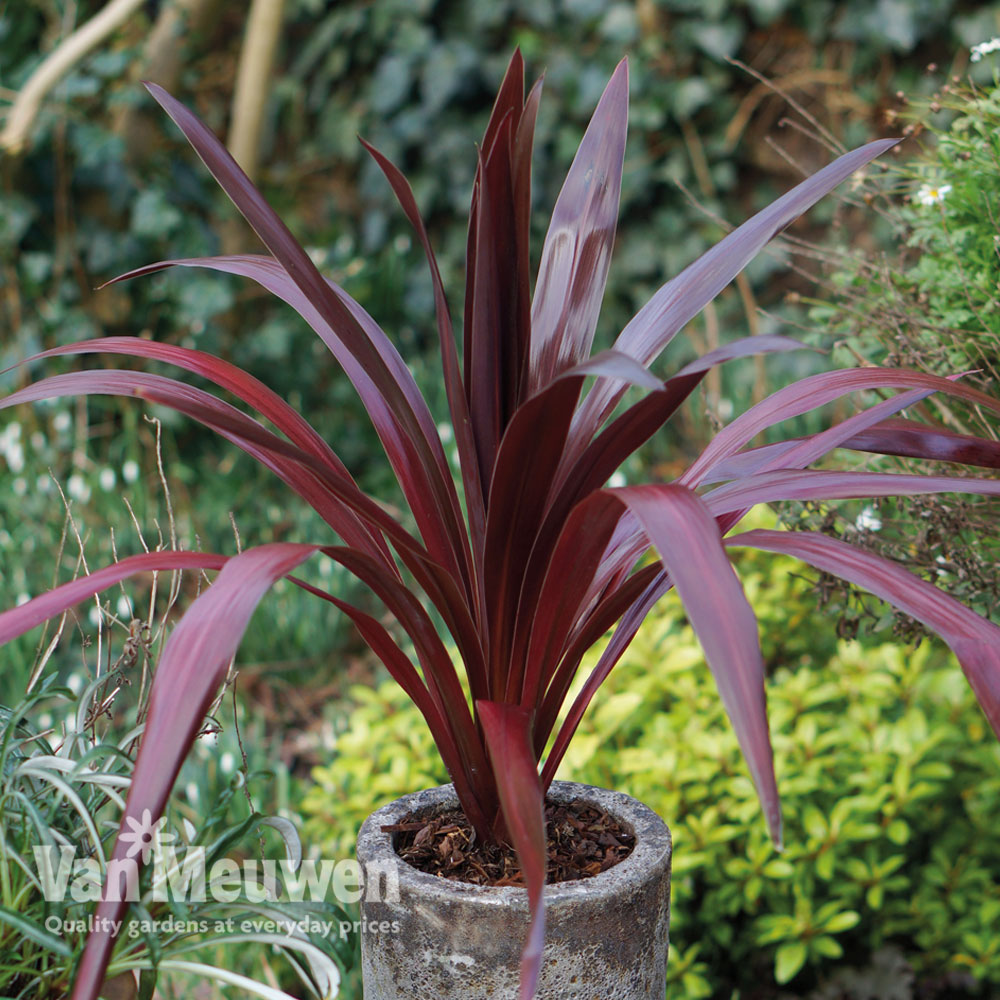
931	302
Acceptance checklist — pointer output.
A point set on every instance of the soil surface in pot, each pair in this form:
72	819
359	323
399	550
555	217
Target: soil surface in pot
583	841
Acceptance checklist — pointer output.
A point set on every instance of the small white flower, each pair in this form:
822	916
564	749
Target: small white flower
318	255
984	48
617	479
932	194
227	762
62	421
77	488
75	683
124	608
193	795
95	617
44	484
868	520
20	486
107	479
445	432
15	456
130	471
22	598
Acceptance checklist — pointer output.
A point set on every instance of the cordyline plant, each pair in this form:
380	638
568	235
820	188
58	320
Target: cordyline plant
537	559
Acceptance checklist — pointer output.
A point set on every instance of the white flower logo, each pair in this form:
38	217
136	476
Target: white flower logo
143	835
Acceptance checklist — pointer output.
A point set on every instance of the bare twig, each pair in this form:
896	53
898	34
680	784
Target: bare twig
59	62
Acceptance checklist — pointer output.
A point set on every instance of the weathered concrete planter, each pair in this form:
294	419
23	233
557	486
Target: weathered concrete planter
606	937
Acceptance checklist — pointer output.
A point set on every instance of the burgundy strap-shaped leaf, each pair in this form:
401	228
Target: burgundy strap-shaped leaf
507	730
303	472
974	640
252	392
623	436
237	427
576	255
416	455
822	484
531	450
561	595
479	811
651	584
683	297
493	378
687	540
289	462
817	390
17	621
440	675
904	438
457	403
269	274
189	674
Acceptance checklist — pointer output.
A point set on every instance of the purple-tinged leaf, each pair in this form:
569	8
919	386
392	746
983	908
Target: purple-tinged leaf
17	621
817	390
974	640
823	484
416	455
235	426
683	297
620	439
457	403
654	584
507	730
686	537
190	672
493	377
401	669
909	439
252	392
576	255
532	448
439	671
557	601
900	437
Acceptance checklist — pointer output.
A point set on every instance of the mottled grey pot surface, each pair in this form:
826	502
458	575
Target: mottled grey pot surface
606	937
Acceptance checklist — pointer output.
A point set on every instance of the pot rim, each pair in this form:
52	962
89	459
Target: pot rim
652	848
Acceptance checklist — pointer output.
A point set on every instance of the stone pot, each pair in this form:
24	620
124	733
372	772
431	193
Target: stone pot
605	937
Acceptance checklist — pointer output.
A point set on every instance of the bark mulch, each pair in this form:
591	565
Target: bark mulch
583	841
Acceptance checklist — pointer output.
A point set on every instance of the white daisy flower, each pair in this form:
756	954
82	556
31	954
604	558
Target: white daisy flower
868	520
932	194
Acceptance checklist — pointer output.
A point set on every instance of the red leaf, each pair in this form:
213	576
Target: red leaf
576	255
190	671
17	621
507	729
683	297
817	390
974	640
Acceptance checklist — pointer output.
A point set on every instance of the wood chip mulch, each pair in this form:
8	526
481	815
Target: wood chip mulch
583	841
